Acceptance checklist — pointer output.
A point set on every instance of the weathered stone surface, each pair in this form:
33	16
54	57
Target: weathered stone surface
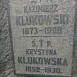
6	63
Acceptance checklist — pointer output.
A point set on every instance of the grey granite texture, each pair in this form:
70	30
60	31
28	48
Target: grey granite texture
6	58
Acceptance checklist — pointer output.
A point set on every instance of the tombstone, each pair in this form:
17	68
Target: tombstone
42	36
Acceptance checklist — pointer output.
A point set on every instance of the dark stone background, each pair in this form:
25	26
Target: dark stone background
6	58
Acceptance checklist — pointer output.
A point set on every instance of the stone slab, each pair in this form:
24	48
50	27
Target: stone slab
42	36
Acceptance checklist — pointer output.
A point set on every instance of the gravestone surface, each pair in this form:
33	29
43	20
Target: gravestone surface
5	47
42	36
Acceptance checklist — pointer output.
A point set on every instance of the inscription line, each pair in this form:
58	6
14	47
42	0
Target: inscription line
42	36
